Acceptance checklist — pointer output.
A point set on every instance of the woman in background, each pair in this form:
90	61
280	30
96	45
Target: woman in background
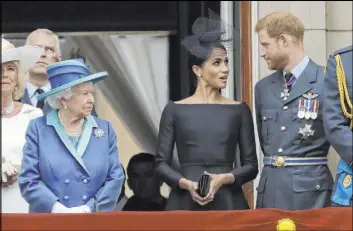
15	117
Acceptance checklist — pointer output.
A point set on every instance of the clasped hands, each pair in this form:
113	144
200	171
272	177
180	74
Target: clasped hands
9	173
217	180
60	208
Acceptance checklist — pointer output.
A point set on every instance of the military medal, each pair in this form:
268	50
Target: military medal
306	131
315	109
347	181
307	109
285	94
310	95
301	109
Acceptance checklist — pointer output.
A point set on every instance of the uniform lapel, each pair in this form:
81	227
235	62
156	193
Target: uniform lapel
90	123
277	86
53	120
303	84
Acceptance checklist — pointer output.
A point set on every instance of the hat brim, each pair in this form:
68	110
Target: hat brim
26	55
90	78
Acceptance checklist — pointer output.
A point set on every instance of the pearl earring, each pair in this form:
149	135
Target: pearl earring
65	107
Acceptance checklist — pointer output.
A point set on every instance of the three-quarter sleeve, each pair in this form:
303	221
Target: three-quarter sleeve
165	146
247	146
258	115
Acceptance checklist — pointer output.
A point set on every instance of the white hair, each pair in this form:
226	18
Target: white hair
55	100
45	32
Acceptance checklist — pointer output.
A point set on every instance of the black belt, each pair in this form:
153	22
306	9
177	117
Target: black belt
207	164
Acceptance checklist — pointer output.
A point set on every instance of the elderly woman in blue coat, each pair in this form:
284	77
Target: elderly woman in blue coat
71	162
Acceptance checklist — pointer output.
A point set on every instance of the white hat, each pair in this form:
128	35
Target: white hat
26	55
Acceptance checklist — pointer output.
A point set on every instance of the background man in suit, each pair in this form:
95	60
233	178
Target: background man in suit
37	76
289	120
338	122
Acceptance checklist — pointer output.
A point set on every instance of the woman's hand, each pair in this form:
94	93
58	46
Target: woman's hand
60	208
80	209
191	186
9	169
8	180
8	174
217	181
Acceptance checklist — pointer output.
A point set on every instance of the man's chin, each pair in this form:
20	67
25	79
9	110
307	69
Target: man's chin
272	67
38	71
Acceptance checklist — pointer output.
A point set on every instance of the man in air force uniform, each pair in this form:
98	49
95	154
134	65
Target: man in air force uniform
289	120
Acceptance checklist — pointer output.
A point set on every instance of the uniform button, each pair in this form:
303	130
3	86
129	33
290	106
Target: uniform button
285	108
84	181
66	197
283	128
84	197
280	150
317	187
67	181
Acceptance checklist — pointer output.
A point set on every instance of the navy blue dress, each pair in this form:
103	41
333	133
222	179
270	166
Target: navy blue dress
207	137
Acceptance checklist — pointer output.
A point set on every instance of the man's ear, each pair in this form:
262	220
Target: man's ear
286	39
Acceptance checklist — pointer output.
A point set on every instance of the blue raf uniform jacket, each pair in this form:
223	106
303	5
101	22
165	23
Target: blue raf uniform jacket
54	170
338	120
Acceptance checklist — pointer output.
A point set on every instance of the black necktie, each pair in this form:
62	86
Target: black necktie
40	103
290	79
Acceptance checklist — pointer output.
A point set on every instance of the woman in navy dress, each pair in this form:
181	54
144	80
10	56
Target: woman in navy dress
207	128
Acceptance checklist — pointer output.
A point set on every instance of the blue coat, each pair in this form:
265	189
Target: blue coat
337	123
54	170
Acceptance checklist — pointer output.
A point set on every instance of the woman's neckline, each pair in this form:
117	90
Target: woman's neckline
22	105
225	104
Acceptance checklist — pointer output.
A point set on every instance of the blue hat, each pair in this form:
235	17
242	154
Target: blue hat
65	74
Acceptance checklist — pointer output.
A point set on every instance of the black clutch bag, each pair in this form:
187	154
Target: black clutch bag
203	185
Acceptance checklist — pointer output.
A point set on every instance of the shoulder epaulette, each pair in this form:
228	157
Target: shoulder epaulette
343	50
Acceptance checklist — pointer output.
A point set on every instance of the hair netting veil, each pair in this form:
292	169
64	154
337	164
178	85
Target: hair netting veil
208	31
